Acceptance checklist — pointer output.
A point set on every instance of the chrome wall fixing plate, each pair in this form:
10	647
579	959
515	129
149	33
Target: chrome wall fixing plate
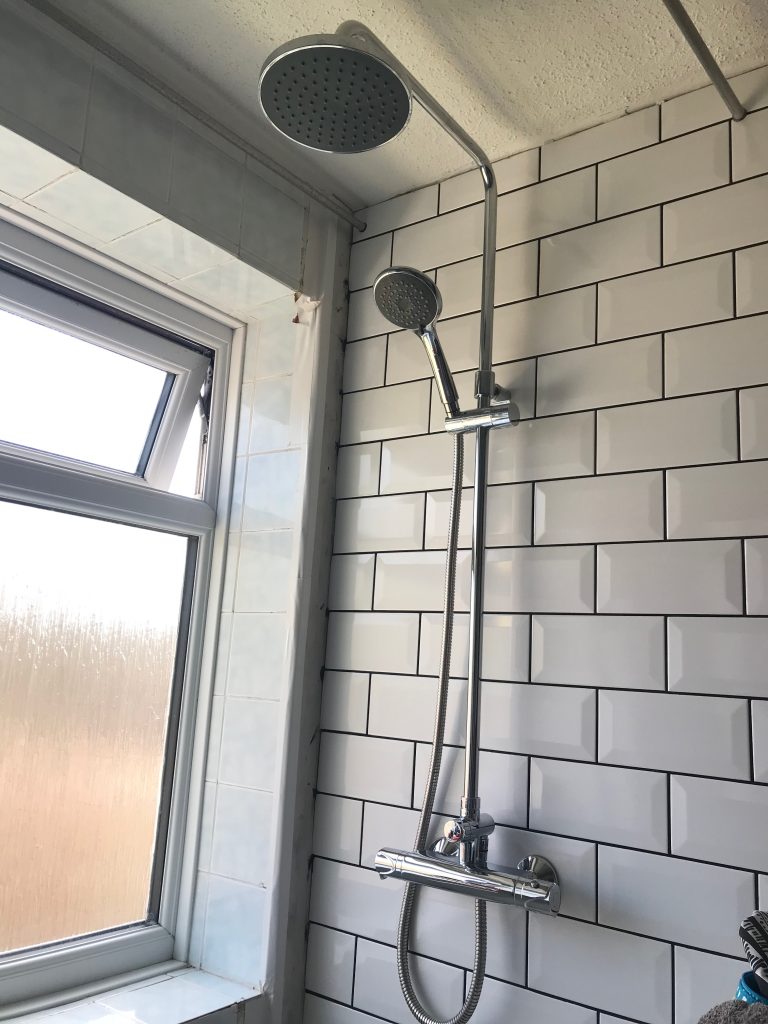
539	867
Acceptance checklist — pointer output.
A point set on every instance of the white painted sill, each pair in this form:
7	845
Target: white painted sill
176	997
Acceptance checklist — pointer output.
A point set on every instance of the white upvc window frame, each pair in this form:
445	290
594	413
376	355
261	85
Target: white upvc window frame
44	480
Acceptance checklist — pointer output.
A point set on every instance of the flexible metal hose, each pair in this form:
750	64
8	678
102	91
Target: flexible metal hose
420	843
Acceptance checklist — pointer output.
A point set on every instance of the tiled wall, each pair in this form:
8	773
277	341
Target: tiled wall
625	702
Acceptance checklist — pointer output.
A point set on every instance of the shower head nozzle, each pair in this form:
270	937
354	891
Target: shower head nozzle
407	298
326	93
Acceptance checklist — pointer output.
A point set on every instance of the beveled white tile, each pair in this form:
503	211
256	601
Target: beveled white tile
273	490
518	377
756	565
753	415
385	412
459	338
460	283
90	205
264	572
338	828
740	812
760	739
365	767
365	320
330	963
661	897
257	656
505	646
727	218
675	432
249	742
662	300
430	644
719	656
602	142
394	213
367	259
414	581
444	239
612	805
589	964
373	641
693	163
238	849
394	522
364	363
546	208
508	516
750	149
377	987
556	446
354	900
598	650
345	701
752	280
513	172
551	323
500	1002
556	579
702	980
543	720
653	730
357	470
675	578
628	371
169	247
719	356
503	783
234	944
704	106
394	827
25	167
351	583
623	245
629	506
718	501
390	694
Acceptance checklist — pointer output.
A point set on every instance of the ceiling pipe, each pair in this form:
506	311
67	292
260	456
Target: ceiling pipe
705	58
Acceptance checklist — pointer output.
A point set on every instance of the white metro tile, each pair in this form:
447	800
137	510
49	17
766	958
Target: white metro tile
365	320
752	280
760	739
727	218
753	414
508	516
756	565
373	641
661	897
414	581
272	494
460	283
264	572
704	106
364	363
385	412
718	501
503	782
628	371
719	656
505	646
675	578
249	743
25	167
257	656
377	987
357	470
345	701
589	964
366	768
338	828
664	299
90	205
394	213
603	804
170	248
675	432
351	583
703	980
394	827
390	694
602	142
551	323
556	446
367	259
555	579
546	208
321	1011
235	930
611	248
513	172
430	644
238	849
330	963
653	730
500	1002
725	355
629	506
598	650
355	900
389	523
720	822
459	337
750	145
543	720
444	239
693	163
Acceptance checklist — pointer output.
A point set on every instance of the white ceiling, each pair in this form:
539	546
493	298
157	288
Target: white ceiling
516	73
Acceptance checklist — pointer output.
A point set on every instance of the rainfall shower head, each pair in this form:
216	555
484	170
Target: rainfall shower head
326	93
410	300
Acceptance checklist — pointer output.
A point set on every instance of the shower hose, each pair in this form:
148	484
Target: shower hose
420	843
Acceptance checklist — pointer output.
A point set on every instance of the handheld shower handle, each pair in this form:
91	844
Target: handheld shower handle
446	387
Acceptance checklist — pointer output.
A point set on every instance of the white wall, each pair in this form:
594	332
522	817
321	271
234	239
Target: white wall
625	707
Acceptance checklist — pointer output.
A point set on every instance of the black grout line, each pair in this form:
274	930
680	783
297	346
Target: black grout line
668	797
745	609
672	992
751	739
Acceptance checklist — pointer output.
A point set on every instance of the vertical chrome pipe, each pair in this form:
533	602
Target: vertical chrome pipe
703	54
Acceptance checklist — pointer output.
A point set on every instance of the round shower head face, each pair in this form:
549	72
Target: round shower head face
326	94
407	298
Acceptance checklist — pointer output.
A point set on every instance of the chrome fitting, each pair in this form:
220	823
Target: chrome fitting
465	830
507	415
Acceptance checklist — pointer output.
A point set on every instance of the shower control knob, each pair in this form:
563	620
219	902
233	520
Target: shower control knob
462	830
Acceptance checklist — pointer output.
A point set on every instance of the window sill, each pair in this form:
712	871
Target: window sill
176	998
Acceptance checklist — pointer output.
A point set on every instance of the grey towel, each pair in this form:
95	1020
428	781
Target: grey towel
734	1012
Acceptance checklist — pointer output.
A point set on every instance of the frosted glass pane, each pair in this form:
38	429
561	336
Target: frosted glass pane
89	615
66	396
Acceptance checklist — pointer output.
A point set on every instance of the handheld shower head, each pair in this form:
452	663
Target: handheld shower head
410	300
328	94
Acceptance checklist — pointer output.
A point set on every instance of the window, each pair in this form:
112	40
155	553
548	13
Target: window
110	444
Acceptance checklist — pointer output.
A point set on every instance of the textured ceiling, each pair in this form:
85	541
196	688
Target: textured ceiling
515	72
